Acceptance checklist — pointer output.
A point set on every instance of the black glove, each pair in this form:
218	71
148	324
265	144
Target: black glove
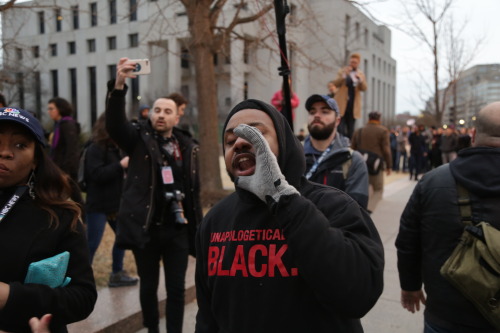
268	183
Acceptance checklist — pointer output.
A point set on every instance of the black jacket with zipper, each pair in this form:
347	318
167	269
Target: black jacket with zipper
137	206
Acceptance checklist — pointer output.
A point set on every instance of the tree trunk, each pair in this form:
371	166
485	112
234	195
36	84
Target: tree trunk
206	86
439	111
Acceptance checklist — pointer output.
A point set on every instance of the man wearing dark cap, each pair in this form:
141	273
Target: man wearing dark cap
374	137
281	253
329	159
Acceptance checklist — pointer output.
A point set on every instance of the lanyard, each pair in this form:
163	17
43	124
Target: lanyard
319	160
12	201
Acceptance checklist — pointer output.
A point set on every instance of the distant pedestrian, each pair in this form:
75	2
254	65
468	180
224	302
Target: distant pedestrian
143	113
401	150
105	169
449	145
332	89
278	100
65	140
435	151
375	138
418	152
350	82
431	227
464	139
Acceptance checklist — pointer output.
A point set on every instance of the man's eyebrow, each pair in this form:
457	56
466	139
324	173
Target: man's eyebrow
254	124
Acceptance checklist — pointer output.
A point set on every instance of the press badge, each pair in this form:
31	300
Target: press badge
167	175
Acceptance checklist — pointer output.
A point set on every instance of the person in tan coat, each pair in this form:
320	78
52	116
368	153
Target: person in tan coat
350	82
375	138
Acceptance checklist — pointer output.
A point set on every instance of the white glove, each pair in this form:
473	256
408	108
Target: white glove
267	182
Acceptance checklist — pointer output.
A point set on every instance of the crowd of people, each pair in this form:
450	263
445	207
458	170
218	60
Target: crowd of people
418	149
292	249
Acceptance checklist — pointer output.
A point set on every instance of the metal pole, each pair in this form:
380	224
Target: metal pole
281	10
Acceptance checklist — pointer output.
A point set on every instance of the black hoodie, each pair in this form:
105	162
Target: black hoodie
316	265
431	227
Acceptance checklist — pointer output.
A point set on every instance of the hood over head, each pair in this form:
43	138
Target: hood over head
477	169
291	154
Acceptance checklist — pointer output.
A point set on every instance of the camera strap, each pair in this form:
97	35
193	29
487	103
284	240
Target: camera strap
12	201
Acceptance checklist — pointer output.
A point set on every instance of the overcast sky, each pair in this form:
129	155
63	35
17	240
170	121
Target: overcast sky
483	21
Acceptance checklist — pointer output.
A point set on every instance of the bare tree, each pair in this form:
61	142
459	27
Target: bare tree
434	15
206	39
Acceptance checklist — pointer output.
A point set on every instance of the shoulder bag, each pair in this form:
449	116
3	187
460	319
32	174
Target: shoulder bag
474	265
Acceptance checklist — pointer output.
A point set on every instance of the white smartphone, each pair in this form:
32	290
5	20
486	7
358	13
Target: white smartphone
142	66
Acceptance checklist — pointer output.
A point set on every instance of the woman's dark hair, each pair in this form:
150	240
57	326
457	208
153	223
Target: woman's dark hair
52	188
65	108
99	134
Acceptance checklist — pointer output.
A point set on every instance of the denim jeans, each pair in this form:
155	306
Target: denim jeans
96	222
168	244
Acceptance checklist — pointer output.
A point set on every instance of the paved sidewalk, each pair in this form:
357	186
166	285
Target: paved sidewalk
387	316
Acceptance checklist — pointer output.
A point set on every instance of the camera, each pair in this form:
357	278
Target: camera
175	199
142	66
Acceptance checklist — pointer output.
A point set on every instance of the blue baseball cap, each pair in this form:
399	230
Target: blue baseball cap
26	119
332	104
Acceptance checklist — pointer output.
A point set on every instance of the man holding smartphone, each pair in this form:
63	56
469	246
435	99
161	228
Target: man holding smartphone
160	206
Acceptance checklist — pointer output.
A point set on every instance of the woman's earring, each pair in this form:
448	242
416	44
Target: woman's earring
31	184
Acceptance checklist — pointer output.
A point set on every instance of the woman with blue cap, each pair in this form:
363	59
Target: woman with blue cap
45	265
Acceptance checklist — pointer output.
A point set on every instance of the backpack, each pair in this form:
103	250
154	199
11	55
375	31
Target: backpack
81	168
474	265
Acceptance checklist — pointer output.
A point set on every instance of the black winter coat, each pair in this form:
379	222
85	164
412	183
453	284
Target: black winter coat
137	205
104	176
25	237
431	227
66	155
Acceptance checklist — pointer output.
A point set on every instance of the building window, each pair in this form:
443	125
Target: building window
133	10
53	50
20	88
366	37
75	17
71	48
133	40
55	83
184	58
38	93
111	72
73	89
93	14
112	43
91	45
246	52
347	25
357	30
36	51
112	11
19	53
93	93
58	17
41	22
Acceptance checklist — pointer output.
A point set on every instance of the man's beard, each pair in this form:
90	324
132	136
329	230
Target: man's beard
319	133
